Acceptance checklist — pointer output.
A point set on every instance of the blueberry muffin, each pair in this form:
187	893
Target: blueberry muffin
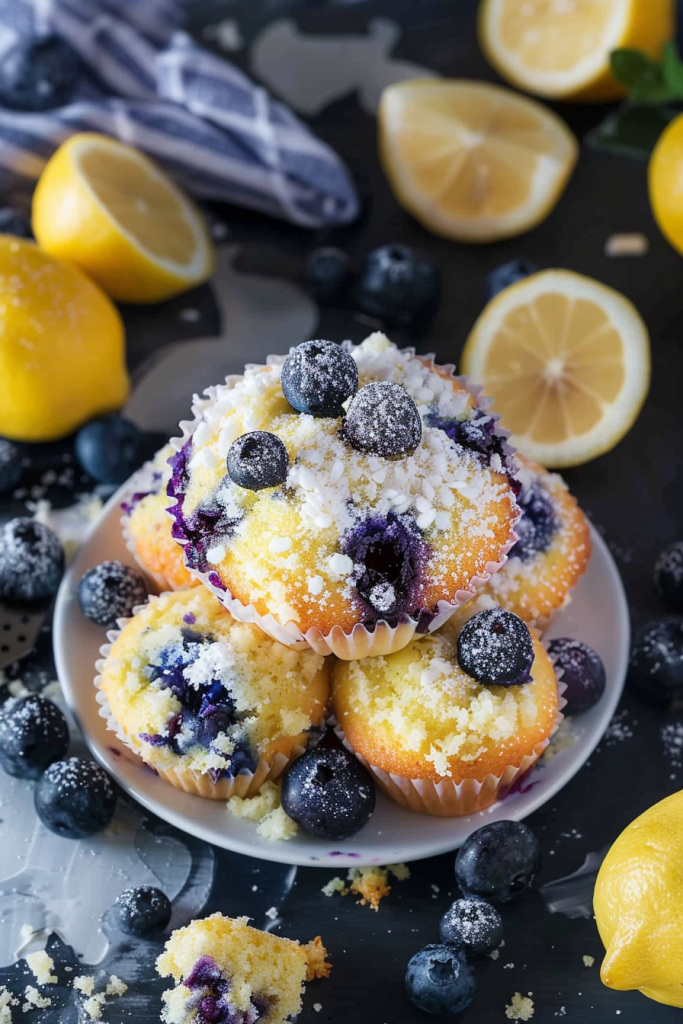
147	526
552	552
449	722
225	971
215	706
344	496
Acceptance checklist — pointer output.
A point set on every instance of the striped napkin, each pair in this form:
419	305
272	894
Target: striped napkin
148	83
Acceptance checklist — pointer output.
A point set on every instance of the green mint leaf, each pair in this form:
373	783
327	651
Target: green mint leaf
631	130
642	76
672	68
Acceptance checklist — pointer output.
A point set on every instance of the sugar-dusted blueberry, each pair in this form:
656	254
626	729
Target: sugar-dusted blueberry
472	925
33	734
498	861
31	561
397	287
581	670
505	275
326	273
258	460
10	466
12	223
318	377
382	419
75	798
110	591
669	575
109	449
440	981
143	911
39	74
496	649
656	663
329	793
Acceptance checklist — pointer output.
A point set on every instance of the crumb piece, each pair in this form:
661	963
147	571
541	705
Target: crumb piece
277	826
266	809
34	999
85	984
588	961
317	1007
41	965
520	1008
16	688
630	244
26	932
401	872
334	885
115	987
494	954
272	914
316	960
370	883
93	1006
7	1001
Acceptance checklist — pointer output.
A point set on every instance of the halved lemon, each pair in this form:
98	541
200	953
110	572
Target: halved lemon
567	363
560	49
111	211
473	161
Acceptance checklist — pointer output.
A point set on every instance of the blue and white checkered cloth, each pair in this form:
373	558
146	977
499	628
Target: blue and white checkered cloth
148	83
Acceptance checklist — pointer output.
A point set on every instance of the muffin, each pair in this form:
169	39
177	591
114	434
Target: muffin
448	723
215	706
226	971
552	551
147	526
366	495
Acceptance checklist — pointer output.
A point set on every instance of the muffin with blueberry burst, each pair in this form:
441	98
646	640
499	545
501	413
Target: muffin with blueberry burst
552	551
147	526
344	497
228	973
215	706
447	724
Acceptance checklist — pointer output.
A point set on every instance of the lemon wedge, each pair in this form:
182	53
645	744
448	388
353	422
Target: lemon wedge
473	161
108	209
567	362
560	49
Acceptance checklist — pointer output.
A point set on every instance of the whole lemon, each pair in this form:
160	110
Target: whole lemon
665	183
637	902
62	346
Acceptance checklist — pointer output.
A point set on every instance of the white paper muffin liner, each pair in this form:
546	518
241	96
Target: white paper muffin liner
361	641
142	480
245	784
449	799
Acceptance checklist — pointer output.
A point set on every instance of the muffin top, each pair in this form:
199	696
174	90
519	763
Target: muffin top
193	689
240	970
419	714
373	509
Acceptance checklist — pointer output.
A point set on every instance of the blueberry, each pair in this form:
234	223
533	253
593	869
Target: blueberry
505	275
31	561
537	526
318	377
258	460
382	419
669	575
143	911
33	734
329	793
440	981
75	798
10	466
109	449
398	288
325	273
40	74
110	591
474	926
496	649
583	673
498	861
12	223
656	664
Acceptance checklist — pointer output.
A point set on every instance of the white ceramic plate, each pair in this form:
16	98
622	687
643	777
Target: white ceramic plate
598	615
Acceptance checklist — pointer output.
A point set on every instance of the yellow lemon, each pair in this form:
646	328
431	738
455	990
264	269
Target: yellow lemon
473	161
665	183
62	347
560	49
567	362
637	901
110	210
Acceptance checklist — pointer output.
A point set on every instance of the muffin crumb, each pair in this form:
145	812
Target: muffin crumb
317	965
7	1001
41	965
520	1008
370	883
265	808
588	961
34	1000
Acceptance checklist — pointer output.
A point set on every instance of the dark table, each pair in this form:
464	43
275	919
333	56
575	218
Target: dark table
633	496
